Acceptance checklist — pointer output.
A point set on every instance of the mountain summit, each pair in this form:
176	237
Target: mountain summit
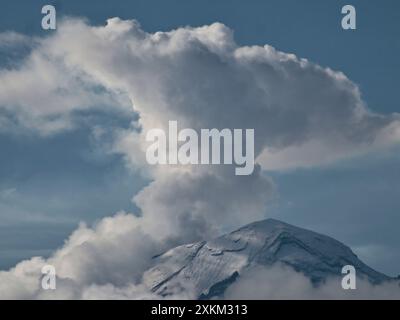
209	267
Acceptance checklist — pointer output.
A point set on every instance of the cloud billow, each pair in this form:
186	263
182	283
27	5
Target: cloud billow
302	114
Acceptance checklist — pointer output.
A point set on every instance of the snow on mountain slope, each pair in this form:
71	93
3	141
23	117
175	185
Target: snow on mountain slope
210	267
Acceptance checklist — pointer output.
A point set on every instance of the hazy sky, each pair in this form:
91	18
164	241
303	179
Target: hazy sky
49	184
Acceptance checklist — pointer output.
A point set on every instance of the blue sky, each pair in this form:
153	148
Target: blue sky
50	184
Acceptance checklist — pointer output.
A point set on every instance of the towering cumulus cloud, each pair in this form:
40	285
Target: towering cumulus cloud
302	114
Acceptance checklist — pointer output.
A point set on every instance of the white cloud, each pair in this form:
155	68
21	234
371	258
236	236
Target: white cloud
282	282
203	79
42	92
115	252
103	262
302	114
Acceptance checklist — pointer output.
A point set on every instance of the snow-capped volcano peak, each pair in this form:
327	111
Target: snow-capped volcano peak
209	267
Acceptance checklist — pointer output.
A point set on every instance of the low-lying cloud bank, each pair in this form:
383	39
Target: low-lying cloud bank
303	115
108	260
282	282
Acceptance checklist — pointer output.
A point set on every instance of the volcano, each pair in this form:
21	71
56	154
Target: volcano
210	267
